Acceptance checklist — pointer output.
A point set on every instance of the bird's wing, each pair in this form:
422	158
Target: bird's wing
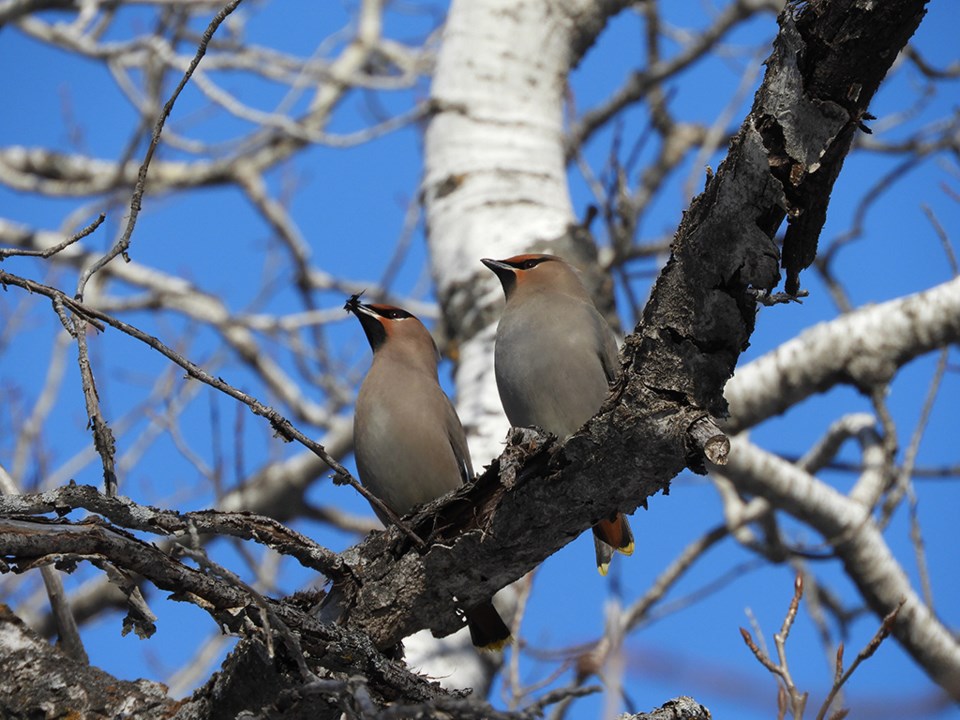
458	443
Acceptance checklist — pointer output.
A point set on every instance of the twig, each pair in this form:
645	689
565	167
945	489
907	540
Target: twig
270	621
53	250
535	710
943	237
123	244
909	460
512	686
31	429
913	449
787	690
640	82
779	298
858	542
841	677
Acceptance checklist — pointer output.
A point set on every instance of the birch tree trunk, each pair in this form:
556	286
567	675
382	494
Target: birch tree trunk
495	181
494	185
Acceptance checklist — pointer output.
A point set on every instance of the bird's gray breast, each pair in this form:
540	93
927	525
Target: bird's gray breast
403	442
549	364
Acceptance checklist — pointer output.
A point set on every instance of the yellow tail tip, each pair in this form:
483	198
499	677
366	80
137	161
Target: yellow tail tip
603	568
496	645
627	549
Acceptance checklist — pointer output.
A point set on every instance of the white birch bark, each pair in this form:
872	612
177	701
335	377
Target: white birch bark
494	185
866	347
495	179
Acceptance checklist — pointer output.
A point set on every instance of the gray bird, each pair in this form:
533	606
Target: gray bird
554	360
408	441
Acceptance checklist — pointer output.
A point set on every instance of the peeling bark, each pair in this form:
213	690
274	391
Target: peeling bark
832	56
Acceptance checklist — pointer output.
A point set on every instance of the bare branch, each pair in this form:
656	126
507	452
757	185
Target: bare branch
865	348
842	676
848	527
280	424
123	244
53	250
127	514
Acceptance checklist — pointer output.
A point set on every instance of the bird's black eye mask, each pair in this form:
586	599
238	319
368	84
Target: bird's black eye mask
528	263
391	313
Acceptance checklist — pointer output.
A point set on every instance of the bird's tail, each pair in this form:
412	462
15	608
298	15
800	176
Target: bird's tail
610	535
487	629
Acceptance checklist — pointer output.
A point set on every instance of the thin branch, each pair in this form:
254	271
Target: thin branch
841	677
123	244
640	82
281	425
270	620
909	461
103	439
53	250
857	540
788	692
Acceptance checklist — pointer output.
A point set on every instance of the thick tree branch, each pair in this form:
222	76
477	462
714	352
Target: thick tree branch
29	543
864	348
838	53
60	685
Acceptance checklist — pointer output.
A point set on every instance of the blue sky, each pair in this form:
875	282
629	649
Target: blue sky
350	205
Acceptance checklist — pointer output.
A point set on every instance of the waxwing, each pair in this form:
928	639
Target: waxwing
408	441
554	360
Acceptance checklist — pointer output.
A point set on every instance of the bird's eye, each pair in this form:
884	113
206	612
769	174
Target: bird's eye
530	264
397	314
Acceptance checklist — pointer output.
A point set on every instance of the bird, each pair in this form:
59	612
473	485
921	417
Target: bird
409	444
554	359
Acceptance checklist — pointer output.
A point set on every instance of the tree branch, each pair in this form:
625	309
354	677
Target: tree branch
850	530
864	348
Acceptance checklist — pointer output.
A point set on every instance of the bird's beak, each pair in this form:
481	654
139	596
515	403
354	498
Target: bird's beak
497	266
506	273
353	305
372	324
